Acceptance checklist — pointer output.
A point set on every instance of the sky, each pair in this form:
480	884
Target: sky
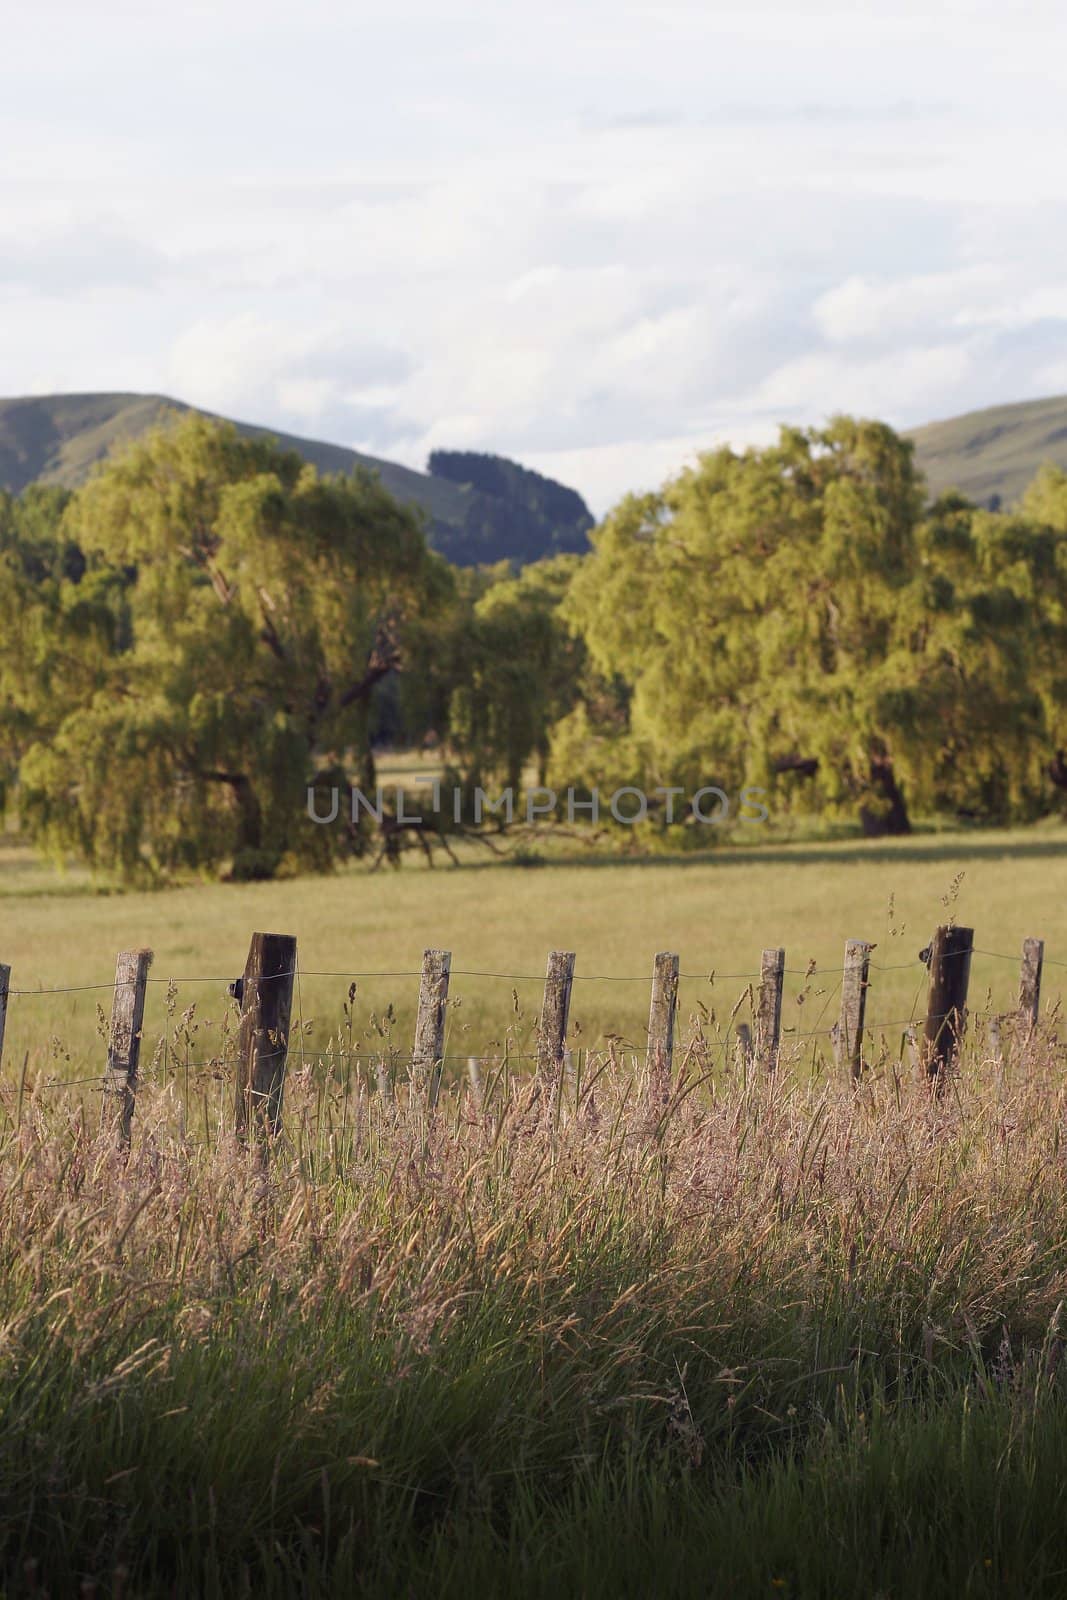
595	237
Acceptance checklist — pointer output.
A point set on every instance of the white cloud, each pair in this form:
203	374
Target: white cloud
598	236
862	309
235	359
884	385
77	259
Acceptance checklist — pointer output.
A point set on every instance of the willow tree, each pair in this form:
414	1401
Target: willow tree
265	604
757	608
514	668
61	625
796	617
991	640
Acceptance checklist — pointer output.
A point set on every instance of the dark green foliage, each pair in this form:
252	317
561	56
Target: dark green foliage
31	528
516	515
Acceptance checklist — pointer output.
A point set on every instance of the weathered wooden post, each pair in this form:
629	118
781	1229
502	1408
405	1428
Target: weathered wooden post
384	1081
848	1040
662	1013
555	1011
769	1008
1030	983
263	1035
946	1011
5	985
427	1058
570	1075
124	1043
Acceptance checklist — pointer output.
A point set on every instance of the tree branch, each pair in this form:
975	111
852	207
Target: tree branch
203	558
269	635
384	657
807	766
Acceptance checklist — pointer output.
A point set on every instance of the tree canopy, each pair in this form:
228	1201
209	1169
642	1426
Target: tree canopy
795	617
261	606
208	628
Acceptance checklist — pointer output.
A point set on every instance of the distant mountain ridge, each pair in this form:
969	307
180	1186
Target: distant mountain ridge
484	508
992	455
59	438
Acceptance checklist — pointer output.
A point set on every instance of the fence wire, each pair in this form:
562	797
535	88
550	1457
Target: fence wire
711	976
212	1067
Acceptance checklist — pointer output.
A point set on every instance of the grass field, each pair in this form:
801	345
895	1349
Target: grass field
774	1336
718	911
740	1335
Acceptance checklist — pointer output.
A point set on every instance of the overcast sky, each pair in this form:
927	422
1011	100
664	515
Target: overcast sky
594	236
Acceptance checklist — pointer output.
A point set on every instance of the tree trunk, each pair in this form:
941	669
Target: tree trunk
250	825
890	818
1057	770
251	862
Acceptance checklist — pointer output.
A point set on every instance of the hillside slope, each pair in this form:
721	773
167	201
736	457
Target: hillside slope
995	452
59	439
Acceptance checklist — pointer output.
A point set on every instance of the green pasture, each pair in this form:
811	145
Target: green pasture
718	910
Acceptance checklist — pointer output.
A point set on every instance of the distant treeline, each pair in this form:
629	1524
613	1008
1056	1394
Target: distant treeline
209	627
515	514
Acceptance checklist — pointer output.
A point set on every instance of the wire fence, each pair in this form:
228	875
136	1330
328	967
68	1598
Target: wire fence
785	1034
711	976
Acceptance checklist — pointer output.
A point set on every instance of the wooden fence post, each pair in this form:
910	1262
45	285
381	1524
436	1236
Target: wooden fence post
263	1035
946	1011
555	1010
384	1082
662	1013
5	984
848	1040
769	1008
124	1044
427	1058
1030	983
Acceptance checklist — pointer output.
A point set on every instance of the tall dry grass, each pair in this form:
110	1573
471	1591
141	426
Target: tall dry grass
713	1335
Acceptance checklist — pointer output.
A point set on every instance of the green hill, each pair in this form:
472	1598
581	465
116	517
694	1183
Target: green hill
59	438
994	452
482	508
